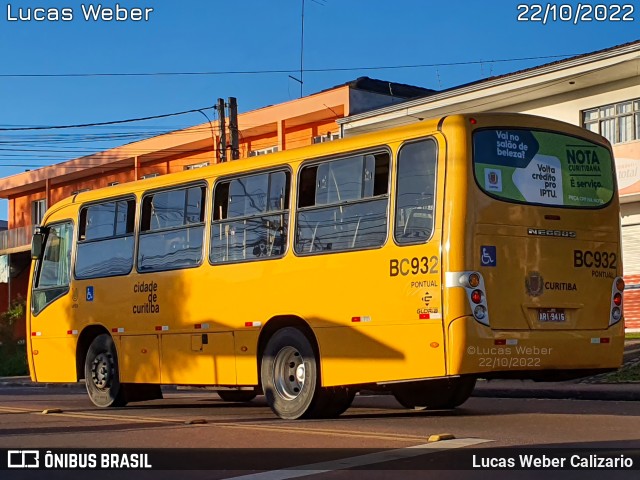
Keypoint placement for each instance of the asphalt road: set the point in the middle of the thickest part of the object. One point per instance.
(198, 420)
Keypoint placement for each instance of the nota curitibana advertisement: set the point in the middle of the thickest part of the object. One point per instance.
(542, 168)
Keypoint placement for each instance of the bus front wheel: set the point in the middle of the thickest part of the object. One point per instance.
(101, 374)
(289, 372)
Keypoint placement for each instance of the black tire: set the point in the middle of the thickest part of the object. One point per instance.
(446, 393)
(409, 398)
(237, 395)
(290, 377)
(462, 391)
(339, 400)
(141, 392)
(101, 374)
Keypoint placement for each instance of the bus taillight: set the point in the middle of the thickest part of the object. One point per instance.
(476, 296)
(616, 301)
(473, 283)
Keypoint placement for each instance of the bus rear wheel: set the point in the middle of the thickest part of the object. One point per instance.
(101, 374)
(435, 394)
(289, 372)
(237, 395)
(337, 401)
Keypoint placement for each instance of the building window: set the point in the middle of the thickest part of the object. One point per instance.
(618, 122)
(38, 208)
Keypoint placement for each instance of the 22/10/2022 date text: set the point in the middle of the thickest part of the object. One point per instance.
(575, 14)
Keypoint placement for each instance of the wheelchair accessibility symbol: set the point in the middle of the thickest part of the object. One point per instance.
(488, 256)
(89, 294)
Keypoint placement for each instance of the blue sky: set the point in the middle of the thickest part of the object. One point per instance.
(249, 35)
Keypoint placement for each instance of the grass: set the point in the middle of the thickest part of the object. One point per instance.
(632, 335)
(627, 374)
(13, 363)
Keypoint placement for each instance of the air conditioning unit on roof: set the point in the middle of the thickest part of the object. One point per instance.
(326, 138)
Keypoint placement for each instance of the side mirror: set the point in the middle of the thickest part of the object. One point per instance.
(37, 243)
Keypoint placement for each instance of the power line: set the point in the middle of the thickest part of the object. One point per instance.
(98, 124)
(274, 71)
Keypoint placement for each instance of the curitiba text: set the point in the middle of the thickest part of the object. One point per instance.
(87, 12)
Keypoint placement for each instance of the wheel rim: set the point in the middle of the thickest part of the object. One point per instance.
(289, 373)
(102, 371)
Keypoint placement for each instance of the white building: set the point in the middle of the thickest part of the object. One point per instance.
(599, 91)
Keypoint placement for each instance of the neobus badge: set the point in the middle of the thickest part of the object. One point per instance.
(551, 233)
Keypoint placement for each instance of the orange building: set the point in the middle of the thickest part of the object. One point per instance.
(287, 125)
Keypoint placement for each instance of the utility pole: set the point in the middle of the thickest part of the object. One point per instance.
(233, 128)
(223, 131)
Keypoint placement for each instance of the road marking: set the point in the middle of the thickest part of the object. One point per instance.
(319, 431)
(362, 460)
(240, 426)
(92, 415)
(18, 410)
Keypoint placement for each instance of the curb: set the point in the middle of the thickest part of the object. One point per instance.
(627, 392)
(25, 382)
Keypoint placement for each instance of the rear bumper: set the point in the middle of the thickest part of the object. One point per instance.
(559, 354)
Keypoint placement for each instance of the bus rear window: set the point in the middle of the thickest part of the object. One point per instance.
(542, 168)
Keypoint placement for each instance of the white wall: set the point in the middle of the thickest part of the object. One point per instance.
(567, 107)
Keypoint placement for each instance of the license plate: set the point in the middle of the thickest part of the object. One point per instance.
(551, 315)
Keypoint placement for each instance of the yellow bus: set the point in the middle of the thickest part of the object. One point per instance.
(414, 260)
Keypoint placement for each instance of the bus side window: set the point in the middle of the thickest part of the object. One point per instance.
(172, 229)
(250, 217)
(343, 204)
(416, 191)
(105, 239)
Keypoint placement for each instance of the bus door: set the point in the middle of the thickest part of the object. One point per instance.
(52, 347)
(416, 269)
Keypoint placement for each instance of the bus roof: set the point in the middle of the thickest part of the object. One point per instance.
(300, 154)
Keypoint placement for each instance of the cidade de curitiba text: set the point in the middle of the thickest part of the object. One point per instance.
(87, 12)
